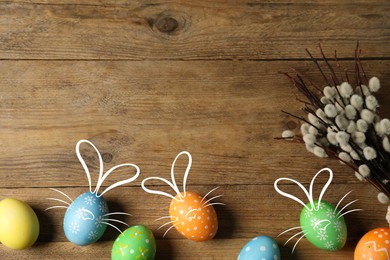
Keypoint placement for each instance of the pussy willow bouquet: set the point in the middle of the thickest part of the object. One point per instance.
(342, 121)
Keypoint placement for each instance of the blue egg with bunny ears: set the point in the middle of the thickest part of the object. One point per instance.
(260, 248)
(88, 216)
(86, 219)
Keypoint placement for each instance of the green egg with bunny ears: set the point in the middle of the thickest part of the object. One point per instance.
(135, 243)
(324, 226)
(320, 222)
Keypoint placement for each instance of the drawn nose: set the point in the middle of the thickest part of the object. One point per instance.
(320, 222)
(88, 215)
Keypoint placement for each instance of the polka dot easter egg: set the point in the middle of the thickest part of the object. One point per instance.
(260, 248)
(321, 223)
(88, 216)
(374, 245)
(190, 214)
(135, 243)
(195, 221)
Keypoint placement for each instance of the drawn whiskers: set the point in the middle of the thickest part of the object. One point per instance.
(297, 234)
(173, 222)
(59, 200)
(207, 203)
(340, 213)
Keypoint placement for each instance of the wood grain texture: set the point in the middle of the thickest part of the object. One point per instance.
(227, 122)
(248, 212)
(139, 30)
(144, 80)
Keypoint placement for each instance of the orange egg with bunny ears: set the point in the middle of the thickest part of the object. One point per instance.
(190, 214)
(195, 218)
(374, 245)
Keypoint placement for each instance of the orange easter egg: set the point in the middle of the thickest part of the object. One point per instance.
(374, 245)
(193, 216)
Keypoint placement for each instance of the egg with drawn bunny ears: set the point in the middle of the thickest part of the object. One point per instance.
(190, 214)
(88, 216)
(321, 223)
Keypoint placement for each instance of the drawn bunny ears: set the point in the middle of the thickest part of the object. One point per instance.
(309, 194)
(172, 184)
(102, 176)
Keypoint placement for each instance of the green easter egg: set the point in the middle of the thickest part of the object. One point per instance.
(323, 226)
(135, 243)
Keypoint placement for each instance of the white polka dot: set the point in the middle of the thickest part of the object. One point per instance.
(195, 228)
(188, 229)
(364, 256)
(147, 241)
(375, 232)
(386, 233)
(248, 248)
(175, 208)
(181, 212)
(370, 258)
(189, 195)
(382, 229)
(275, 257)
(274, 246)
(210, 234)
(255, 238)
(206, 227)
(199, 217)
(262, 248)
(182, 223)
(201, 237)
(131, 251)
(380, 236)
(387, 241)
(263, 258)
(189, 208)
(196, 201)
(192, 236)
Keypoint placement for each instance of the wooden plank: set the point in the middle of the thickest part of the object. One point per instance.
(247, 214)
(225, 113)
(183, 30)
(169, 249)
(248, 210)
(145, 4)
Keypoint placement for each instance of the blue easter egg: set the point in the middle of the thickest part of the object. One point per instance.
(260, 248)
(84, 221)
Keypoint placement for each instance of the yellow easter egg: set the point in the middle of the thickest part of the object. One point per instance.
(19, 226)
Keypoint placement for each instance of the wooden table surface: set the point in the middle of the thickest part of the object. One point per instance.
(144, 80)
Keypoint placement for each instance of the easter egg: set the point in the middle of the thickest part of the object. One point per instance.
(261, 247)
(134, 243)
(374, 245)
(85, 219)
(323, 226)
(192, 217)
(19, 226)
